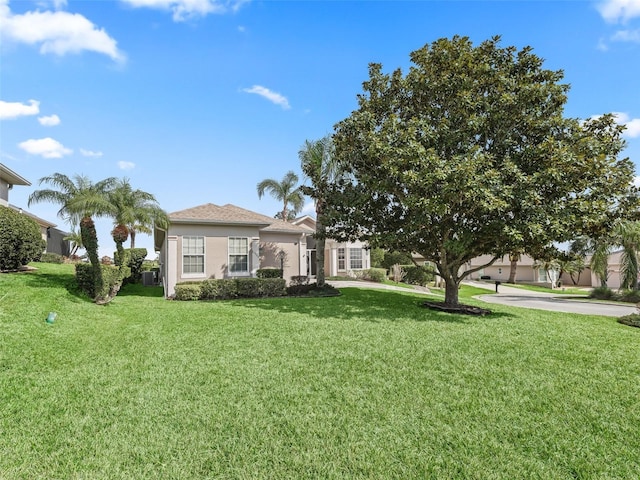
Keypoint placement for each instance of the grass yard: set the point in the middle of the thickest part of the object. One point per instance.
(365, 385)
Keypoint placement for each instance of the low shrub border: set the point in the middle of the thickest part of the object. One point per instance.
(228, 288)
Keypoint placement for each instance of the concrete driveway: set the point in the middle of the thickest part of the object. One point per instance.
(517, 297)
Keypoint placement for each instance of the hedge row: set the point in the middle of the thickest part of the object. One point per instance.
(227, 288)
(269, 273)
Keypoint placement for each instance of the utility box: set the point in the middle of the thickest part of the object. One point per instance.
(148, 279)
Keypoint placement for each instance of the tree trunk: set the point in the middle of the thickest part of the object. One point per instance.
(132, 235)
(451, 291)
(513, 270)
(320, 242)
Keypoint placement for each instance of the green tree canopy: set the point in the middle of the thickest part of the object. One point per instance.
(470, 153)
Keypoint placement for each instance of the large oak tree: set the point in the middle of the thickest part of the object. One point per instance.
(470, 153)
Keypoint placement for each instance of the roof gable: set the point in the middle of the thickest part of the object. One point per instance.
(229, 214)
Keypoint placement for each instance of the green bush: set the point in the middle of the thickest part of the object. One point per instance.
(228, 288)
(312, 290)
(391, 258)
(377, 257)
(375, 275)
(134, 259)
(188, 291)
(629, 296)
(602, 293)
(269, 273)
(51, 258)
(299, 280)
(102, 283)
(417, 275)
(20, 239)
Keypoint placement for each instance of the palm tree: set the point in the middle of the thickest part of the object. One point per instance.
(76, 242)
(133, 211)
(79, 199)
(599, 249)
(321, 168)
(627, 235)
(286, 191)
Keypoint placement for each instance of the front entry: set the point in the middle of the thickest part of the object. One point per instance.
(311, 263)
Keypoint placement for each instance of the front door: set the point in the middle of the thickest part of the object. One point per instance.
(311, 263)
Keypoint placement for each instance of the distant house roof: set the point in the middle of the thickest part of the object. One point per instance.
(40, 221)
(228, 214)
(12, 177)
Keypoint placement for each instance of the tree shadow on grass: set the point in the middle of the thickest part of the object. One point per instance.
(138, 290)
(367, 305)
(38, 279)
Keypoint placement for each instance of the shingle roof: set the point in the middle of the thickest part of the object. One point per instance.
(232, 215)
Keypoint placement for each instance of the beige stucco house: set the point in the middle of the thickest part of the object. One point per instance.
(212, 241)
(340, 258)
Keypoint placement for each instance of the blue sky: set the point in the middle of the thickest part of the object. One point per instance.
(197, 101)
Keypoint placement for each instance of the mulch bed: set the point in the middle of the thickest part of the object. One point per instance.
(462, 309)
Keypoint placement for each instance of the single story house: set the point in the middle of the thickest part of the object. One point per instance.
(212, 241)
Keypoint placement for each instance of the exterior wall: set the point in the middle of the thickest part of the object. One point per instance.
(294, 248)
(4, 192)
(331, 264)
(56, 242)
(216, 249)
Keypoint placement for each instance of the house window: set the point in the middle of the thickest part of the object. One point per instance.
(355, 258)
(193, 255)
(238, 255)
(342, 266)
(542, 275)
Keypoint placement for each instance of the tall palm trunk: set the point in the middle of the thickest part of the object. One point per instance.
(320, 243)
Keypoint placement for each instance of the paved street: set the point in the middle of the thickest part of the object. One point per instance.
(518, 297)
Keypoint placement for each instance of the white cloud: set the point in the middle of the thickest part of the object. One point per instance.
(126, 165)
(636, 181)
(615, 11)
(185, 9)
(50, 121)
(56, 32)
(626, 36)
(309, 209)
(632, 124)
(45, 147)
(11, 110)
(273, 97)
(90, 153)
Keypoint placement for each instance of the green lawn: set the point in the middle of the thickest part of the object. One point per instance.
(365, 385)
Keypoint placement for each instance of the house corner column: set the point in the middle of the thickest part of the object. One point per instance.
(255, 256)
(172, 265)
(302, 255)
(333, 263)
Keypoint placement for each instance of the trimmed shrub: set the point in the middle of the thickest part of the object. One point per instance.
(312, 290)
(20, 239)
(188, 291)
(375, 275)
(51, 258)
(417, 275)
(103, 284)
(228, 288)
(602, 293)
(299, 280)
(269, 273)
(629, 296)
(134, 258)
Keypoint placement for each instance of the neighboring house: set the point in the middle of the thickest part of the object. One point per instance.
(340, 258)
(8, 179)
(54, 237)
(211, 241)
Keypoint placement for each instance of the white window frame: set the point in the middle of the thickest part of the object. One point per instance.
(352, 259)
(342, 259)
(185, 239)
(543, 275)
(240, 273)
